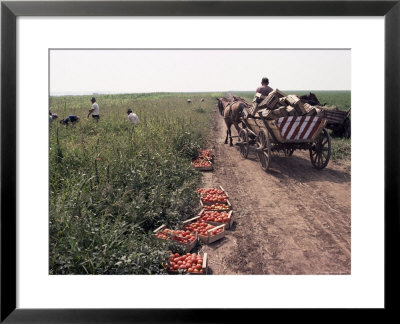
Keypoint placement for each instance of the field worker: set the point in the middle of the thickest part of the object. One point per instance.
(52, 116)
(132, 117)
(264, 89)
(94, 110)
(70, 119)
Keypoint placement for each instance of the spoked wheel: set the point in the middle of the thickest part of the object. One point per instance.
(264, 149)
(320, 151)
(288, 152)
(244, 143)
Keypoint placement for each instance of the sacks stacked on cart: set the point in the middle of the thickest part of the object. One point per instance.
(277, 104)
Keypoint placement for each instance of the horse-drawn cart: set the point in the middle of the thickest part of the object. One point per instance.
(338, 121)
(285, 134)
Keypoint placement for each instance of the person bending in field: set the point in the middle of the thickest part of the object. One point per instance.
(94, 110)
(52, 116)
(264, 89)
(132, 117)
(70, 119)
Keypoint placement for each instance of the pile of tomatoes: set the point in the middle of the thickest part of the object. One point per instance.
(205, 154)
(215, 216)
(201, 228)
(199, 163)
(191, 263)
(211, 198)
(181, 236)
(217, 206)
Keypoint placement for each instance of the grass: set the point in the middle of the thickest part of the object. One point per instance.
(112, 184)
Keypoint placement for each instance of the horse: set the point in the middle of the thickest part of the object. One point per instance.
(221, 105)
(232, 113)
(310, 99)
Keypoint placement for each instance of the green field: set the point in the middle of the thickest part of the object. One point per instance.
(112, 184)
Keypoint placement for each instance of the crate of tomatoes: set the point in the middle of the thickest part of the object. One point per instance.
(202, 164)
(217, 206)
(206, 154)
(217, 217)
(209, 196)
(207, 233)
(190, 263)
(184, 237)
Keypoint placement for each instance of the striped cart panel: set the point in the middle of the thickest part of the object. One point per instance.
(300, 128)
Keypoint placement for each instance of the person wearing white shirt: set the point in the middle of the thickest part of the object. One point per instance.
(132, 117)
(94, 110)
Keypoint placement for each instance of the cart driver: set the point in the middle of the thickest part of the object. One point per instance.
(264, 89)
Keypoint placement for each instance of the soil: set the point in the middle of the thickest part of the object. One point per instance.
(293, 219)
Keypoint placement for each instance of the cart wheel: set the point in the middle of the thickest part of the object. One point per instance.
(264, 149)
(244, 143)
(320, 151)
(288, 151)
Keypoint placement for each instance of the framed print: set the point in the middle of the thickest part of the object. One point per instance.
(188, 41)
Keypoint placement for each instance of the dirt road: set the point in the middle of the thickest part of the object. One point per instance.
(293, 220)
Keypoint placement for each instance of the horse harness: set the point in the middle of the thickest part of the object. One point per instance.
(230, 109)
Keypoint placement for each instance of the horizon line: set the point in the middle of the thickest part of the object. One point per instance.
(82, 93)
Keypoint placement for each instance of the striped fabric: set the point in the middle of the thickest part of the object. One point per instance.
(298, 128)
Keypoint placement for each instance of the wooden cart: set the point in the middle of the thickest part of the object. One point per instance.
(286, 134)
(338, 121)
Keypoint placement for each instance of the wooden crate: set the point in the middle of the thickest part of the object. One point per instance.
(297, 104)
(203, 168)
(272, 100)
(282, 101)
(228, 225)
(210, 202)
(188, 246)
(228, 206)
(253, 109)
(311, 111)
(291, 111)
(274, 114)
(204, 267)
(212, 238)
(207, 239)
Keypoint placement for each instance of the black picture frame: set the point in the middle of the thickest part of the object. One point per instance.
(10, 10)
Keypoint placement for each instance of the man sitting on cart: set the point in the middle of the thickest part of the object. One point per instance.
(264, 89)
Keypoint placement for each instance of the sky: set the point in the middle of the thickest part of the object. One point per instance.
(138, 71)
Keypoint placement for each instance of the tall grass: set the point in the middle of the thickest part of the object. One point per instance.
(112, 184)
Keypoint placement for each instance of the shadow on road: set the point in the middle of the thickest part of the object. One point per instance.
(299, 167)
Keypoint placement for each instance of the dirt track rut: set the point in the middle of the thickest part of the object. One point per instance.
(292, 220)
